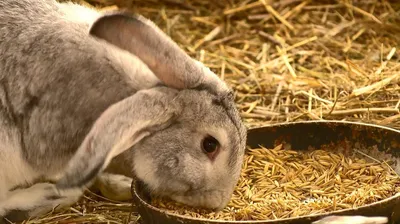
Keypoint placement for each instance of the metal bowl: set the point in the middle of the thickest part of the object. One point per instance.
(301, 135)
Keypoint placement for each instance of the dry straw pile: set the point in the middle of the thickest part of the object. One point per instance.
(279, 183)
(286, 60)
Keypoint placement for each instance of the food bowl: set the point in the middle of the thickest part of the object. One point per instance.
(302, 135)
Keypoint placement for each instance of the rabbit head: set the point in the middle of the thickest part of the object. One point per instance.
(187, 145)
(197, 160)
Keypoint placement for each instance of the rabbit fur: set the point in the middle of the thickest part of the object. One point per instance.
(98, 98)
(81, 90)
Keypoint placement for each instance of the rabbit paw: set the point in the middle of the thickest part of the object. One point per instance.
(114, 186)
(36, 200)
(352, 220)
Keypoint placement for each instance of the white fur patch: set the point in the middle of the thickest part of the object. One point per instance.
(13, 168)
(78, 13)
(144, 169)
(38, 199)
(114, 186)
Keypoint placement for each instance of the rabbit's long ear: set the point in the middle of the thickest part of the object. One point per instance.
(144, 39)
(119, 128)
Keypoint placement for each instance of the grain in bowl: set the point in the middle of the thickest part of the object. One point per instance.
(282, 183)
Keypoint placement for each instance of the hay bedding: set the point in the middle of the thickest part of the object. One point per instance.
(287, 60)
(278, 183)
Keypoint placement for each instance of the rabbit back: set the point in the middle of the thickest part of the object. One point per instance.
(56, 80)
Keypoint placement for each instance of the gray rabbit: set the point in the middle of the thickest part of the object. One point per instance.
(87, 95)
(90, 98)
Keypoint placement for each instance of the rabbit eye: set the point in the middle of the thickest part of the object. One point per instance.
(210, 145)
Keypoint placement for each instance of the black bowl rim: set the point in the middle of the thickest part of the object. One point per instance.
(394, 197)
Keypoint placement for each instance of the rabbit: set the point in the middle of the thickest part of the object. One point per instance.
(89, 97)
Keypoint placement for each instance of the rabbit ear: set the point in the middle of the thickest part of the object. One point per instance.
(118, 129)
(145, 40)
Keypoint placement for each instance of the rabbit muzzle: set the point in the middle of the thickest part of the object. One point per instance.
(209, 199)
